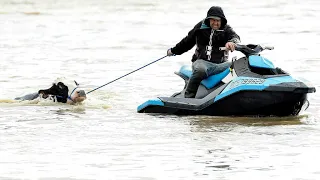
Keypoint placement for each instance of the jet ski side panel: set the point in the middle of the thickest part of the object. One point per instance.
(257, 103)
(257, 84)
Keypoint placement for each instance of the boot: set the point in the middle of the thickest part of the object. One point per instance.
(192, 87)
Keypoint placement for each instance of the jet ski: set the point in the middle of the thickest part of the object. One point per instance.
(251, 86)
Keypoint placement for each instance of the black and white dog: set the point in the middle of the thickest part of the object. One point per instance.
(58, 92)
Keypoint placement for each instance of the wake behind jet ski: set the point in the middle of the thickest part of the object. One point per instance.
(252, 85)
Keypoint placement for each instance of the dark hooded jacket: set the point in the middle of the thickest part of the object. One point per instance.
(200, 35)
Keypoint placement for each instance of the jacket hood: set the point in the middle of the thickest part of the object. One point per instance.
(218, 12)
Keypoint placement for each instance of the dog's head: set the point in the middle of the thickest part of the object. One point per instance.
(59, 90)
(78, 96)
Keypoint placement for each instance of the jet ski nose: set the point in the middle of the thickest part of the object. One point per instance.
(82, 93)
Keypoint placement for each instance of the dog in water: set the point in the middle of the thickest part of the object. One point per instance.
(58, 92)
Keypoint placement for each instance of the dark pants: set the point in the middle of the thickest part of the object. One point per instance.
(202, 69)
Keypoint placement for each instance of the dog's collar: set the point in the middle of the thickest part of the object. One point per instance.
(69, 96)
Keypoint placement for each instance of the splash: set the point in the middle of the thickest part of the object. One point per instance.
(7, 101)
(249, 121)
(91, 103)
(31, 13)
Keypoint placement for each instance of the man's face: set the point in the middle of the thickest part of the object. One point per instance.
(215, 24)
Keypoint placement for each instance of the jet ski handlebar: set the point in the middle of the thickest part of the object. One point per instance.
(249, 49)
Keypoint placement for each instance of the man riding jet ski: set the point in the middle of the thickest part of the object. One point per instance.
(252, 85)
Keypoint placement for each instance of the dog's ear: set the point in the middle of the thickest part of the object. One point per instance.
(61, 86)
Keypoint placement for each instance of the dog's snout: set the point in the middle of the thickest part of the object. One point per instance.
(81, 93)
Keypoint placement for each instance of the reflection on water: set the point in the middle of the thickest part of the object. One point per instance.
(75, 109)
(203, 121)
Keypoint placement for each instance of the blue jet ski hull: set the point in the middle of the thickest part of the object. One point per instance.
(244, 103)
